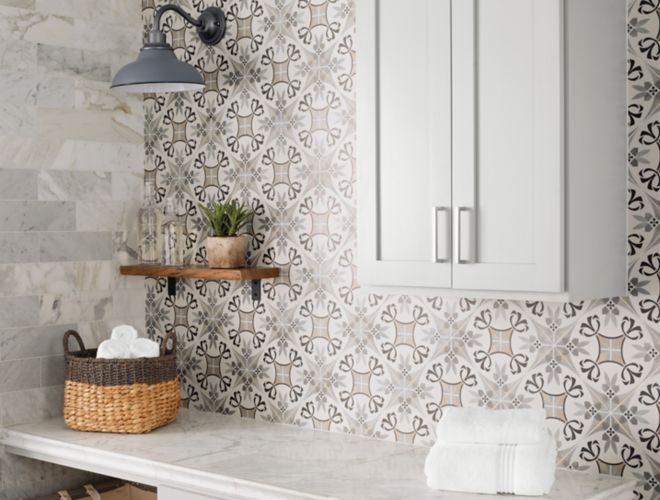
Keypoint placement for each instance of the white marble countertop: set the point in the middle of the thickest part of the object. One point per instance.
(242, 459)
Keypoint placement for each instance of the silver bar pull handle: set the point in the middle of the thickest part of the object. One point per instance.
(441, 235)
(465, 236)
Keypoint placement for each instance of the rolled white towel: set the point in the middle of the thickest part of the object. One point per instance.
(124, 333)
(112, 349)
(144, 348)
(519, 469)
(479, 425)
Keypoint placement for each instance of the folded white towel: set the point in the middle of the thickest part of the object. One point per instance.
(112, 349)
(124, 333)
(479, 425)
(519, 469)
(143, 348)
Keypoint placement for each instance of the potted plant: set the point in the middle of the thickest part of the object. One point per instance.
(226, 249)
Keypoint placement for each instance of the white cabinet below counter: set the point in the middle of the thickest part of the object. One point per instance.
(492, 147)
(206, 456)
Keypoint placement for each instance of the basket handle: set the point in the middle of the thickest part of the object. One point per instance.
(164, 350)
(75, 335)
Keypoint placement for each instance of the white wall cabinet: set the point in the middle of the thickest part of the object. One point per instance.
(492, 146)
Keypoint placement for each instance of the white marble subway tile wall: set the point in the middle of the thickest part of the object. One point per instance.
(71, 160)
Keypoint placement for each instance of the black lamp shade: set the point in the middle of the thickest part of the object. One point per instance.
(157, 70)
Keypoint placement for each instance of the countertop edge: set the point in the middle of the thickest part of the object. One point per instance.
(78, 453)
(141, 470)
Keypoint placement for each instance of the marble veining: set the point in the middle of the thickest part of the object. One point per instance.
(19, 247)
(213, 454)
(70, 182)
(59, 185)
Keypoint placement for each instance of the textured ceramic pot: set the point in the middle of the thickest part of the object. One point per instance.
(226, 252)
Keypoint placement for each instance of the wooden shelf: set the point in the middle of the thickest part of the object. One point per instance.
(201, 272)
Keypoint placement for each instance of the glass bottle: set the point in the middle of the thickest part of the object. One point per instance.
(171, 236)
(148, 227)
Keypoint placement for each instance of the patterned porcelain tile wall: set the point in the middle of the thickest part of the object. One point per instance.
(276, 127)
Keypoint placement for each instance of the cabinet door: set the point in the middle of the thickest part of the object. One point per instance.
(404, 142)
(508, 145)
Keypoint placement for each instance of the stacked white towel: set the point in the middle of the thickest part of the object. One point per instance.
(124, 333)
(112, 349)
(124, 343)
(492, 451)
(143, 348)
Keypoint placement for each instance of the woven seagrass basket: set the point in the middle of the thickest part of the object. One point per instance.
(130, 396)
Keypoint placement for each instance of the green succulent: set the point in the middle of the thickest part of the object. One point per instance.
(226, 218)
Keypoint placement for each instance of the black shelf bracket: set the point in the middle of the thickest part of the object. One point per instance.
(255, 285)
(171, 286)
(255, 288)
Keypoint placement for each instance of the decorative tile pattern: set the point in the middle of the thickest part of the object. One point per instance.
(276, 127)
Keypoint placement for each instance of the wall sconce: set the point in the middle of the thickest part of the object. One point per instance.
(157, 69)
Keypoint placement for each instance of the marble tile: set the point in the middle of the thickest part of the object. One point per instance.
(19, 55)
(52, 371)
(59, 185)
(106, 216)
(20, 374)
(37, 216)
(95, 126)
(17, 104)
(115, 11)
(103, 36)
(32, 405)
(99, 156)
(32, 26)
(18, 184)
(31, 153)
(72, 61)
(59, 118)
(19, 311)
(36, 341)
(19, 247)
(26, 478)
(94, 95)
(94, 276)
(56, 277)
(57, 309)
(127, 186)
(22, 4)
(55, 92)
(129, 125)
(128, 303)
(215, 455)
(75, 246)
